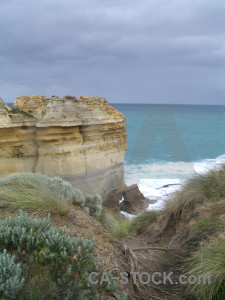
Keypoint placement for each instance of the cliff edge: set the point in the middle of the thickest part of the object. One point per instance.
(82, 140)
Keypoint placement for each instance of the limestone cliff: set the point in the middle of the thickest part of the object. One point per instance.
(83, 140)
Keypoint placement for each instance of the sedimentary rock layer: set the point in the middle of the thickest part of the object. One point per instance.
(83, 140)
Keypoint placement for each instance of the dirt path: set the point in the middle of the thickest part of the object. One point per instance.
(154, 259)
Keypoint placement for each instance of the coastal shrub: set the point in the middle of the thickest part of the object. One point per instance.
(209, 260)
(117, 225)
(66, 191)
(38, 194)
(94, 204)
(54, 265)
(11, 281)
(139, 223)
(198, 189)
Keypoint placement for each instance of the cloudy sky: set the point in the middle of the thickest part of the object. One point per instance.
(128, 51)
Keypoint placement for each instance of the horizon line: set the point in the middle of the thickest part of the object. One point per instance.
(181, 104)
(131, 103)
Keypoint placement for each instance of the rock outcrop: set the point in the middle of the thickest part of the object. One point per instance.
(83, 140)
(134, 201)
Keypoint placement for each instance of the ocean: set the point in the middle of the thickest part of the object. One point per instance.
(169, 143)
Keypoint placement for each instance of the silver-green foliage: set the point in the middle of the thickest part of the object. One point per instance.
(11, 281)
(66, 191)
(38, 193)
(23, 233)
(94, 203)
(67, 261)
(32, 192)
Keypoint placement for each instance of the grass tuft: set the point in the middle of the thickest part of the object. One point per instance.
(141, 222)
(37, 194)
(117, 225)
(209, 260)
(198, 189)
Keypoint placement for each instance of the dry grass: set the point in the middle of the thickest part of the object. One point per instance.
(30, 193)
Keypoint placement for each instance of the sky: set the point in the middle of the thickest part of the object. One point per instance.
(127, 51)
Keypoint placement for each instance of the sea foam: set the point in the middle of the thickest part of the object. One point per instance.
(158, 181)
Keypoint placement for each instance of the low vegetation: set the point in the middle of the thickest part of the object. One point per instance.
(117, 225)
(21, 112)
(39, 194)
(37, 261)
(194, 220)
(199, 208)
(209, 260)
(208, 226)
(94, 205)
(187, 237)
(142, 221)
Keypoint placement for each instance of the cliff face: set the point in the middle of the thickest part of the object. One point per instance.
(83, 140)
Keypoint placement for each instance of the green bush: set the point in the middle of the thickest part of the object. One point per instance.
(66, 191)
(64, 262)
(94, 204)
(209, 260)
(11, 281)
(39, 194)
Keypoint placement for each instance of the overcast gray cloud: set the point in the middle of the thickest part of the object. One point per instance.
(129, 51)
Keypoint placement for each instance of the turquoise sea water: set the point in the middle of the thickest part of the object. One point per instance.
(202, 129)
(167, 144)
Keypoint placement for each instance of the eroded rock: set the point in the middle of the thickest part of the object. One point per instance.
(83, 140)
(134, 201)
